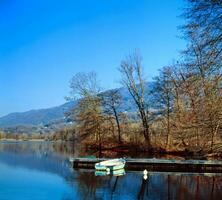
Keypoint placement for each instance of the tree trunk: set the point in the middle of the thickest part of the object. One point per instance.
(118, 126)
(146, 131)
(168, 132)
(212, 137)
(168, 124)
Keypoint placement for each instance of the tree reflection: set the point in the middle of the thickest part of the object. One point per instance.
(144, 188)
(156, 186)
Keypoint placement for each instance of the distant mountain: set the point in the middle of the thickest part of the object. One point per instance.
(36, 117)
(46, 120)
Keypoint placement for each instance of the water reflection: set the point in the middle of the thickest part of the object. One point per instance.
(156, 186)
(120, 172)
(39, 170)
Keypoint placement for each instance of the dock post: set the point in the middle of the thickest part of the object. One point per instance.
(75, 163)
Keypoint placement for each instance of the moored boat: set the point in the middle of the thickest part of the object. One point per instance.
(113, 164)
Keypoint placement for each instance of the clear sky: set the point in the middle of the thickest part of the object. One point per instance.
(44, 42)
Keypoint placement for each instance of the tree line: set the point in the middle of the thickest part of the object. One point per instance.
(181, 109)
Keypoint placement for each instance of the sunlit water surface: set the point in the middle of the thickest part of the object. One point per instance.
(40, 170)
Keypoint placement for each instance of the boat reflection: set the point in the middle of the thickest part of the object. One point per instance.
(120, 172)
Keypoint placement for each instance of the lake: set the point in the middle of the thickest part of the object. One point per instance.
(41, 171)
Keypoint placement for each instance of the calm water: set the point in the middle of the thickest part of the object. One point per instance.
(39, 170)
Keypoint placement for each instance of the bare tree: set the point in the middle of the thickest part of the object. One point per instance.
(133, 80)
(88, 113)
(111, 103)
(84, 85)
(203, 64)
(163, 96)
(204, 22)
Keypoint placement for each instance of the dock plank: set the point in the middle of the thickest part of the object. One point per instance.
(153, 164)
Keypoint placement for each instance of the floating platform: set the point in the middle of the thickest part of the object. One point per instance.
(160, 165)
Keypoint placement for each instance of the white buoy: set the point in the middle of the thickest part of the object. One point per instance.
(145, 177)
(145, 172)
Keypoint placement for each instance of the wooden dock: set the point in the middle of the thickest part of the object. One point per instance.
(161, 165)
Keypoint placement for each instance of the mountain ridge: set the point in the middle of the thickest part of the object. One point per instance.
(54, 117)
(35, 116)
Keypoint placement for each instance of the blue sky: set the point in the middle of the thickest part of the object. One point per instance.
(44, 42)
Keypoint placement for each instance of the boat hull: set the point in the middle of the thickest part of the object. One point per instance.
(104, 168)
(108, 166)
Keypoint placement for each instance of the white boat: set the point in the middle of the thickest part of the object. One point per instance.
(108, 165)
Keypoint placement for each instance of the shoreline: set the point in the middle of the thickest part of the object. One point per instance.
(126, 150)
(21, 140)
